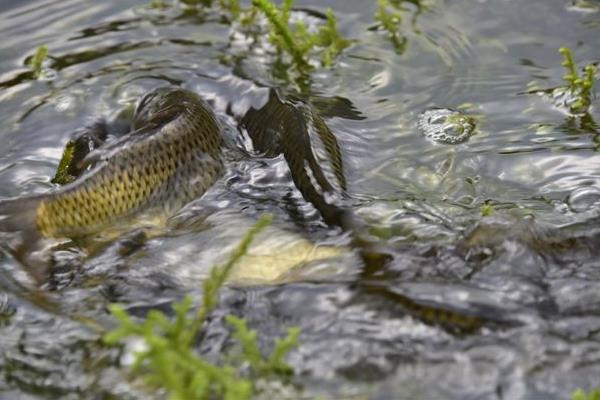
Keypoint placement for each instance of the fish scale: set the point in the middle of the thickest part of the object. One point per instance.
(154, 172)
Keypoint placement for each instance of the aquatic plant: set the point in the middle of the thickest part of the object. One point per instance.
(579, 394)
(390, 19)
(581, 87)
(232, 6)
(169, 360)
(275, 363)
(297, 40)
(37, 60)
(487, 209)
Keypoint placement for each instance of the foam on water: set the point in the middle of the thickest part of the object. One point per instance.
(446, 126)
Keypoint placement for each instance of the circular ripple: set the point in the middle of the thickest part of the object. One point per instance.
(583, 199)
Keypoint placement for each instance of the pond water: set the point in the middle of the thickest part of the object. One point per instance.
(502, 306)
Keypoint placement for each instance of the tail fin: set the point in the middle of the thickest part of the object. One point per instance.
(18, 220)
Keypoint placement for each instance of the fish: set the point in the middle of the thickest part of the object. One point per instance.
(172, 155)
(293, 128)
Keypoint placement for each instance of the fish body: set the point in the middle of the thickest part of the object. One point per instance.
(293, 128)
(172, 155)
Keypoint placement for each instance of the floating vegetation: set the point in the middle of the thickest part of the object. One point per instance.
(169, 360)
(390, 18)
(36, 62)
(585, 5)
(297, 40)
(577, 96)
(487, 209)
(158, 4)
(579, 394)
(447, 126)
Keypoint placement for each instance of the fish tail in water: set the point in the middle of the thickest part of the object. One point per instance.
(19, 215)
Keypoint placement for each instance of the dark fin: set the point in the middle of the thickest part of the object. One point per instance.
(265, 126)
(18, 216)
(341, 107)
(294, 129)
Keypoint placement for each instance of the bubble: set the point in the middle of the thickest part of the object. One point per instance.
(446, 126)
(64, 103)
(47, 74)
(583, 199)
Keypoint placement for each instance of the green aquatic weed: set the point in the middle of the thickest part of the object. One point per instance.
(232, 6)
(297, 40)
(580, 86)
(37, 60)
(169, 360)
(487, 209)
(330, 40)
(159, 4)
(579, 394)
(275, 363)
(390, 19)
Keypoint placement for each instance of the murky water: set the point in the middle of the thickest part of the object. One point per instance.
(505, 306)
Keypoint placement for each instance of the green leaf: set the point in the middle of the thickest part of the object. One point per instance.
(580, 86)
(36, 62)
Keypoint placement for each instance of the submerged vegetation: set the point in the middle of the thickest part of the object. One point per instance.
(581, 395)
(581, 87)
(486, 209)
(36, 62)
(169, 360)
(390, 18)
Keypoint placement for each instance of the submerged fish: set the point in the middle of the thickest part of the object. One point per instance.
(172, 155)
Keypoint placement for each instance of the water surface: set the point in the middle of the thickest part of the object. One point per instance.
(498, 307)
